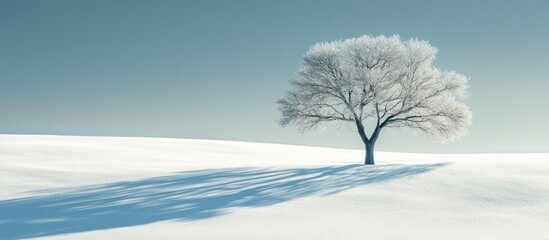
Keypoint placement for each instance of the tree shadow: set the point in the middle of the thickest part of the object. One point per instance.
(184, 196)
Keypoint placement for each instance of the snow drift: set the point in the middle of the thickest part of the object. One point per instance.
(150, 188)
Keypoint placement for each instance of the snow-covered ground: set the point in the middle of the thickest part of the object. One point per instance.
(64, 187)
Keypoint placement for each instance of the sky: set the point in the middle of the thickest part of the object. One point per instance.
(215, 69)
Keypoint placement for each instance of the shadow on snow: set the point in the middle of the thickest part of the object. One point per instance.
(184, 196)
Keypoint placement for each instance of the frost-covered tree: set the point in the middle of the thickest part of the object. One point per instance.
(376, 83)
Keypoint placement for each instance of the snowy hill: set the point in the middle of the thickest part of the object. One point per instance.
(65, 187)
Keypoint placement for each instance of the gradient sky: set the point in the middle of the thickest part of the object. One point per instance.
(214, 69)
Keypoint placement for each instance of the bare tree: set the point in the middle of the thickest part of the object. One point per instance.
(381, 82)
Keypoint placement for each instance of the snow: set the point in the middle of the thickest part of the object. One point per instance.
(72, 187)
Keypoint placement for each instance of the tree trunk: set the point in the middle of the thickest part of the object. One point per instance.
(369, 159)
(368, 143)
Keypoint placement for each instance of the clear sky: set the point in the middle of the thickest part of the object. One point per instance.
(214, 69)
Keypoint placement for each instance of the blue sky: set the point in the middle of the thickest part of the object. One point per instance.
(214, 69)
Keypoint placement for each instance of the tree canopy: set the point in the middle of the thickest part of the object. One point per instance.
(383, 79)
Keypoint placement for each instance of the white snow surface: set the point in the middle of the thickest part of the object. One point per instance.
(72, 187)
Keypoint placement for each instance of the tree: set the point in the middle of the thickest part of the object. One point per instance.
(380, 82)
